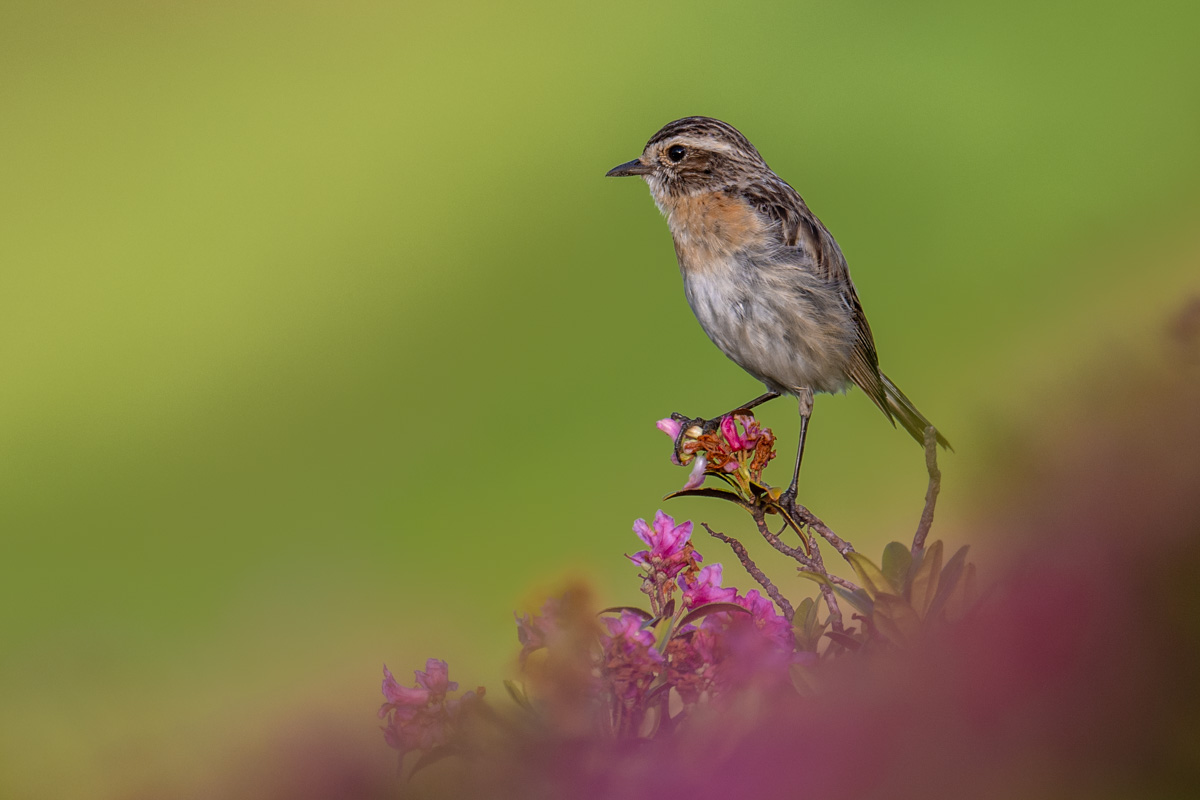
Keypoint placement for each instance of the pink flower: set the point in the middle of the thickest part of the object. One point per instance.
(730, 432)
(421, 717)
(751, 432)
(670, 552)
(693, 656)
(766, 618)
(626, 632)
(535, 632)
(670, 427)
(631, 662)
(696, 476)
(706, 588)
(398, 696)
(436, 677)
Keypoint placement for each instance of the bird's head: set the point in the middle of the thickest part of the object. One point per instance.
(694, 155)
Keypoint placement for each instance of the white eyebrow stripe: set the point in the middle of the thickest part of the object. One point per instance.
(701, 143)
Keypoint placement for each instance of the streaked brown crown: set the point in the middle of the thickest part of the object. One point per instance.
(716, 156)
(701, 128)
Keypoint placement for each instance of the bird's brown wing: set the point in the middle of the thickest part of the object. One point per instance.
(800, 228)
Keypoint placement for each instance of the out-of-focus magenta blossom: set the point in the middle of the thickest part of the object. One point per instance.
(625, 633)
(630, 665)
(706, 588)
(767, 618)
(692, 659)
(670, 551)
(535, 632)
(436, 676)
(421, 717)
(669, 426)
(398, 696)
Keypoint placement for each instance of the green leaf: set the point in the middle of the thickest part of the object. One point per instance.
(872, 578)
(805, 627)
(858, 598)
(800, 620)
(517, 693)
(896, 560)
(710, 608)
(811, 615)
(815, 577)
(669, 611)
(925, 579)
(896, 619)
(665, 630)
(718, 493)
(951, 573)
(641, 612)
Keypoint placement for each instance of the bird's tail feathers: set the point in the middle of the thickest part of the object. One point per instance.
(901, 408)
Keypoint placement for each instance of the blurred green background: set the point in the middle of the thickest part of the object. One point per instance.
(324, 341)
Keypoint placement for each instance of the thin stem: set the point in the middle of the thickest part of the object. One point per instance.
(740, 551)
(813, 563)
(813, 522)
(842, 582)
(773, 540)
(835, 611)
(931, 494)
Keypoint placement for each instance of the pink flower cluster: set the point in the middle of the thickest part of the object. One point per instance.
(700, 640)
(722, 649)
(422, 716)
(742, 454)
(629, 665)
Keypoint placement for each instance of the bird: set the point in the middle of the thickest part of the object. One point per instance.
(764, 277)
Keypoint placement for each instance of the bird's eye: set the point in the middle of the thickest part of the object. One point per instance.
(676, 152)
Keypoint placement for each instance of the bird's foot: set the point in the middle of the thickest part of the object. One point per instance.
(788, 498)
(693, 428)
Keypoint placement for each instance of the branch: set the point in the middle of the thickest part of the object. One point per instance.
(812, 564)
(834, 579)
(756, 573)
(813, 522)
(931, 494)
(835, 611)
(760, 520)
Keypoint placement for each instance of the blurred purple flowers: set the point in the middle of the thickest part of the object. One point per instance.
(637, 672)
(421, 717)
(628, 673)
(915, 688)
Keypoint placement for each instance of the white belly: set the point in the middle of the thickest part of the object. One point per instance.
(777, 322)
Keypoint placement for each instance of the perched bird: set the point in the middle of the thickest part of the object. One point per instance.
(764, 277)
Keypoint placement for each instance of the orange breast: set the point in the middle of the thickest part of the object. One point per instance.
(714, 226)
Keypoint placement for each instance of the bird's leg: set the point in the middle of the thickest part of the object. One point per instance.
(806, 408)
(758, 401)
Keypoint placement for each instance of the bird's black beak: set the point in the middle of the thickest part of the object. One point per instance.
(635, 167)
